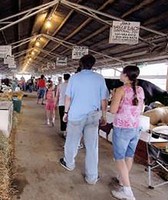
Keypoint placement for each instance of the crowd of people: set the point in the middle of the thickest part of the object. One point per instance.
(16, 84)
(82, 101)
(85, 98)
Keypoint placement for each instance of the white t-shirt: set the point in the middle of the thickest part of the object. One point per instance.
(62, 89)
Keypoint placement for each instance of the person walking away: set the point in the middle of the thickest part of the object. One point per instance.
(50, 105)
(41, 84)
(60, 102)
(86, 94)
(127, 105)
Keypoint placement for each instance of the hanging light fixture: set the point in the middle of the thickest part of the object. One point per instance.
(33, 53)
(37, 43)
(48, 24)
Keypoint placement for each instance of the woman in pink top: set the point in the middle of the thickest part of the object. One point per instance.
(127, 105)
(50, 104)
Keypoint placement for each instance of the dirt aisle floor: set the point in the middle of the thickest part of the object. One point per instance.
(40, 177)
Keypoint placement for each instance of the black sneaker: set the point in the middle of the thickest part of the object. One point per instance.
(63, 164)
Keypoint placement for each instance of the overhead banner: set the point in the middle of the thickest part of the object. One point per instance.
(79, 51)
(12, 66)
(50, 65)
(5, 50)
(9, 60)
(124, 32)
(61, 61)
(14, 70)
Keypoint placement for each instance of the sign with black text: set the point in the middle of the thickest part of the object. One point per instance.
(79, 51)
(9, 60)
(12, 66)
(5, 50)
(50, 65)
(61, 61)
(124, 32)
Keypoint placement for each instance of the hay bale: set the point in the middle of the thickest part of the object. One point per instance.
(5, 167)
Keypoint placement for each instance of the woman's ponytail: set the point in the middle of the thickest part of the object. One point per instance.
(135, 99)
(132, 72)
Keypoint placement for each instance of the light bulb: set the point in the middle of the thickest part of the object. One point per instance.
(37, 44)
(48, 24)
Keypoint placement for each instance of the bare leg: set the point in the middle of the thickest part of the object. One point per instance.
(129, 162)
(126, 191)
(53, 114)
(123, 172)
(48, 116)
(53, 117)
(42, 101)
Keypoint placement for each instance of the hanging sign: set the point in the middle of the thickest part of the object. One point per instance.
(50, 65)
(5, 50)
(12, 66)
(124, 32)
(79, 51)
(9, 60)
(14, 70)
(61, 61)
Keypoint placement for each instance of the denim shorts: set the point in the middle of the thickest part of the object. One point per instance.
(41, 93)
(125, 141)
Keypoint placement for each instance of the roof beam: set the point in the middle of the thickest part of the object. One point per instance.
(142, 4)
(29, 14)
(70, 46)
(82, 25)
(24, 12)
(20, 53)
(92, 13)
(152, 20)
(18, 28)
(3, 34)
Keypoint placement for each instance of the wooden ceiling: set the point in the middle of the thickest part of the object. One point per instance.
(83, 23)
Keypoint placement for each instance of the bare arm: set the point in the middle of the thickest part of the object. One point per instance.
(57, 96)
(67, 106)
(46, 94)
(116, 99)
(104, 106)
(103, 119)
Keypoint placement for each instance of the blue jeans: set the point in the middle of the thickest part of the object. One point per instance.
(41, 93)
(88, 128)
(125, 141)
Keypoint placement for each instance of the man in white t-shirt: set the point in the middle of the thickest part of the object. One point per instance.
(60, 98)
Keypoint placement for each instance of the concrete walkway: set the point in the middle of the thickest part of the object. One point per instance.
(39, 175)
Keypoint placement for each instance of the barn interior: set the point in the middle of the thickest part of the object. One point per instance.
(40, 37)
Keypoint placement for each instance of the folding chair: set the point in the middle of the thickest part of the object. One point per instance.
(157, 155)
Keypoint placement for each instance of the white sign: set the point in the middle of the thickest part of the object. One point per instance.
(61, 61)
(5, 50)
(12, 66)
(79, 51)
(50, 65)
(14, 70)
(124, 32)
(9, 60)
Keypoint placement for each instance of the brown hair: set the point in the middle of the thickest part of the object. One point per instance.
(50, 85)
(87, 62)
(132, 73)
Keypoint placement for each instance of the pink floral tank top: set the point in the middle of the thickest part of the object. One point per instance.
(128, 115)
